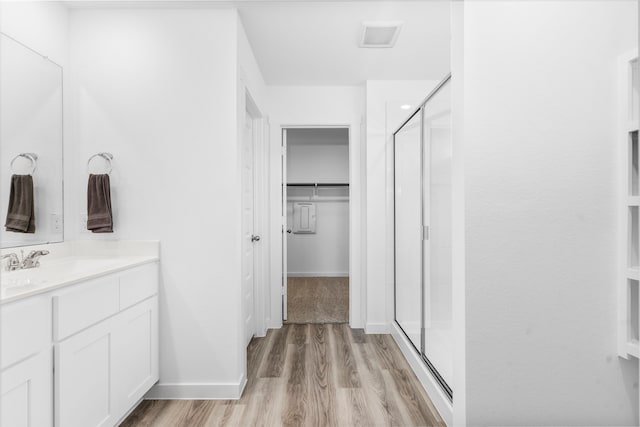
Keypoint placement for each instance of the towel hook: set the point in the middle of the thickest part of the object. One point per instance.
(107, 156)
(32, 157)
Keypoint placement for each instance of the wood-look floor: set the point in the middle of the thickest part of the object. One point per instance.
(310, 375)
(317, 299)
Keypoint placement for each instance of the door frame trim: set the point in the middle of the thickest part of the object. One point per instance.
(355, 289)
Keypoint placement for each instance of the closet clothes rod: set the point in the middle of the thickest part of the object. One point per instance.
(318, 184)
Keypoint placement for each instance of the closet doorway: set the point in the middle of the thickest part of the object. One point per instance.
(315, 206)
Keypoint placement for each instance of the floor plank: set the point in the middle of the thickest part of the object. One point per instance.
(358, 336)
(347, 372)
(320, 381)
(313, 375)
(277, 352)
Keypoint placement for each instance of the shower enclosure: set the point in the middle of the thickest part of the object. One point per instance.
(422, 232)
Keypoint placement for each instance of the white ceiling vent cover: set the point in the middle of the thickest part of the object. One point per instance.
(380, 33)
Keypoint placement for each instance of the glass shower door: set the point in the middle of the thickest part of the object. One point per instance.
(408, 223)
(423, 153)
(437, 256)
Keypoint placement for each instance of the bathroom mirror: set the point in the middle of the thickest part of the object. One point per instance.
(31, 138)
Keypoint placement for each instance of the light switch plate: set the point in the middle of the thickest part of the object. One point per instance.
(56, 222)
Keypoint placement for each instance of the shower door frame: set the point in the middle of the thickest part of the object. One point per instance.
(446, 388)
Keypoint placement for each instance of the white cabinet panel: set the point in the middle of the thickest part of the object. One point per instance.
(135, 353)
(83, 379)
(137, 284)
(26, 393)
(25, 328)
(83, 305)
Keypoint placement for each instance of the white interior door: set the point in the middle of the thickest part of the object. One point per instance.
(249, 239)
(285, 230)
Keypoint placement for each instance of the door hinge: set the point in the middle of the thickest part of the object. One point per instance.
(425, 232)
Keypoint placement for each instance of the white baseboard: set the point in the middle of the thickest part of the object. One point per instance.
(376, 328)
(320, 274)
(429, 383)
(191, 391)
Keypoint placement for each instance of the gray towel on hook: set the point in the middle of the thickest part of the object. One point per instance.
(21, 214)
(99, 215)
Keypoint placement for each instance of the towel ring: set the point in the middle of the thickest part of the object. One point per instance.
(32, 157)
(107, 156)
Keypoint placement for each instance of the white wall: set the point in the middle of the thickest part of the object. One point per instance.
(317, 106)
(158, 88)
(324, 253)
(319, 155)
(540, 206)
(324, 163)
(384, 116)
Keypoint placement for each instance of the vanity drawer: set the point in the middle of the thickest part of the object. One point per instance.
(138, 284)
(84, 305)
(25, 328)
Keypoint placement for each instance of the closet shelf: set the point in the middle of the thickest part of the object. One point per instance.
(633, 126)
(633, 273)
(317, 184)
(317, 199)
(318, 192)
(633, 201)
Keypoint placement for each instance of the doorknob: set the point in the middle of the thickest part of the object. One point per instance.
(289, 230)
(255, 238)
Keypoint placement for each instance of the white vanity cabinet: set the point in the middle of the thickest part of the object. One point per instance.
(26, 375)
(106, 350)
(80, 355)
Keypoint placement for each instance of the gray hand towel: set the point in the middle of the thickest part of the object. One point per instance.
(21, 214)
(99, 215)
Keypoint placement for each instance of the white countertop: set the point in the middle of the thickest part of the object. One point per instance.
(73, 262)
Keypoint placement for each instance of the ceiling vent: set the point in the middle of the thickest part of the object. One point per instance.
(380, 33)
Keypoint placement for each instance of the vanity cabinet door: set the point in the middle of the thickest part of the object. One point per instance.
(135, 353)
(26, 393)
(102, 372)
(25, 329)
(83, 379)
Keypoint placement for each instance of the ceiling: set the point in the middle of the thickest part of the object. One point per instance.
(316, 43)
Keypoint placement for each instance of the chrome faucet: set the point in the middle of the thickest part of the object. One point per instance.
(13, 263)
(29, 261)
(32, 260)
